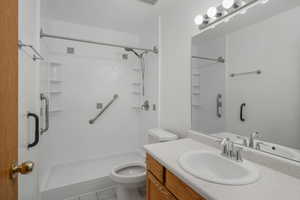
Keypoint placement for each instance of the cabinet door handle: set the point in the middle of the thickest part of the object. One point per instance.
(243, 105)
(36, 132)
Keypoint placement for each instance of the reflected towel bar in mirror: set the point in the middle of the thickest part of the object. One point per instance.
(246, 73)
(219, 59)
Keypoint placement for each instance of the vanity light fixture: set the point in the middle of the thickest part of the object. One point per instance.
(264, 1)
(212, 12)
(224, 12)
(227, 4)
(199, 19)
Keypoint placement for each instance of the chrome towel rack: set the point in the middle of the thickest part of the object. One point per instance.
(246, 73)
(36, 55)
(92, 121)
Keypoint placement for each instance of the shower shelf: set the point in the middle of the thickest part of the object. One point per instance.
(136, 69)
(195, 93)
(55, 92)
(195, 105)
(196, 74)
(55, 81)
(136, 84)
(55, 64)
(195, 86)
(53, 110)
(136, 108)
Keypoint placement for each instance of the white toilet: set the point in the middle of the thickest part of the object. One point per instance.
(131, 177)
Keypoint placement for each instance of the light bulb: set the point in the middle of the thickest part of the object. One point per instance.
(264, 1)
(244, 11)
(199, 19)
(227, 4)
(212, 12)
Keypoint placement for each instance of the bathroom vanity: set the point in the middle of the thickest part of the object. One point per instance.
(164, 185)
(167, 180)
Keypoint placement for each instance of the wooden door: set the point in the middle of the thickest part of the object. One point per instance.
(8, 97)
(156, 191)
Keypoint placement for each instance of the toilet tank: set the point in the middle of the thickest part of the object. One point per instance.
(158, 135)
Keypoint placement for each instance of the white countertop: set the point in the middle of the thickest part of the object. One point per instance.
(272, 185)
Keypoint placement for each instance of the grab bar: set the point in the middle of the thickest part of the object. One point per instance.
(44, 98)
(92, 121)
(245, 73)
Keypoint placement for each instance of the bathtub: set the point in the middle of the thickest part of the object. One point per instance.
(85, 180)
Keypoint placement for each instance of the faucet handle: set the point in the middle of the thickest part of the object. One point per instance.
(245, 140)
(222, 141)
(255, 134)
(225, 145)
(239, 155)
(231, 149)
(258, 145)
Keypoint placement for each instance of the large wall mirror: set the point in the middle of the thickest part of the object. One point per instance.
(246, 79)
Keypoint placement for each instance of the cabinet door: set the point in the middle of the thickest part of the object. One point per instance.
(156, 191)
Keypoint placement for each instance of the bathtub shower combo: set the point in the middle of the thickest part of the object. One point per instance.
(94, 101)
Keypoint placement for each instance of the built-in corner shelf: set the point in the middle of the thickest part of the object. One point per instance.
(55, 92)
(55, 81)
(196, 93)
(54, 110)
(55, 64)
(55, 86)
(137, 88)
(137, 108)
(196, 105)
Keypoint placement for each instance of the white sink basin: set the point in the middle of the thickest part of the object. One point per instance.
(216, 168)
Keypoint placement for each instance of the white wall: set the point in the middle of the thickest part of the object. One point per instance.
(149, 119)
(272, 98)
(208, 80)
(177, 29)
(94, 74)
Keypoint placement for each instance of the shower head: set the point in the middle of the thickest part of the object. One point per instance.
(128, 49)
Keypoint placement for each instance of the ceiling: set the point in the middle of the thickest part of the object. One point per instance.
(123, 15)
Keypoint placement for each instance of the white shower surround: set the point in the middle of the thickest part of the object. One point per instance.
(93, 75)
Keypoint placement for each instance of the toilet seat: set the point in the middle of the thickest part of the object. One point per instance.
(134, 172)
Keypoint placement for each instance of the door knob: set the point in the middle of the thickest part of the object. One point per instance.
(24, 168)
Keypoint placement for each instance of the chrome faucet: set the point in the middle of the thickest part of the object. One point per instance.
(230, 151)
(251, 140)
(225, 146)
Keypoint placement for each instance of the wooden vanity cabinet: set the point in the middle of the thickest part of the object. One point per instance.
(156, 191)
(164, 185)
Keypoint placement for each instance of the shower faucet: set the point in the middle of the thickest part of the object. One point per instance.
(146, 105)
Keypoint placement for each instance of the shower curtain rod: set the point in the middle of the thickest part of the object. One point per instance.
(219, 59)
(45, 35)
